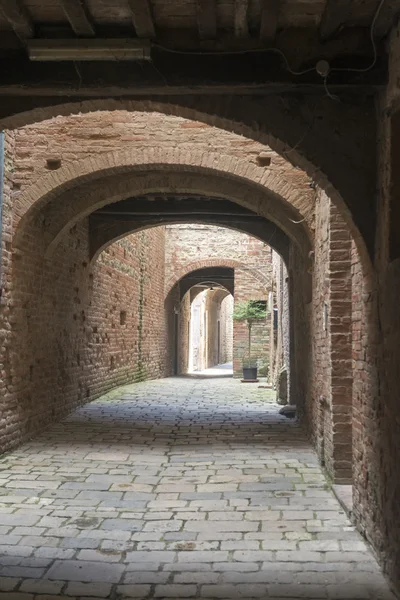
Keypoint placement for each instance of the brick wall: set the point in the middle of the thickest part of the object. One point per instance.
(77, 137)
(189, 247)
(247, 288)
(376, 349)
(71, 331)
(330, 406)
(318, 402)
(280, 335)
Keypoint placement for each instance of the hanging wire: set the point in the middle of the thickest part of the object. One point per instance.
(283, 55)
(297, 222)
(328, 93)
(235, 52)
(371, 66)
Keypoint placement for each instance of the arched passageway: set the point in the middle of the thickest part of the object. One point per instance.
(82, 231)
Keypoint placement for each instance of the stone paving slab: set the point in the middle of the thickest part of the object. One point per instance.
(177, 488)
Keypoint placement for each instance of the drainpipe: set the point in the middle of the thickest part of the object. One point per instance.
(1, 209)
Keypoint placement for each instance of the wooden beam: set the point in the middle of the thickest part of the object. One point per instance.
(18, 18)
(240, 18)
(269, 19)
(142, 18)
(207, 19)
(77, 15)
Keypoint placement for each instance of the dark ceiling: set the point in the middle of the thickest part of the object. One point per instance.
(252, 42)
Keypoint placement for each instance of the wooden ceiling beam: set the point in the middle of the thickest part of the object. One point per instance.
(18, 18)
(77, 15)
(240, 18)
(142, 18)
(269, 20)
(207, 19)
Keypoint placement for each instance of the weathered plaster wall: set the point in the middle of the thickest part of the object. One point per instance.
(226, 347)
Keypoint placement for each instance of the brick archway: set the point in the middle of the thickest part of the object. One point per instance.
(330, 141)
(82, 190)
(80, 172)
(214, 262)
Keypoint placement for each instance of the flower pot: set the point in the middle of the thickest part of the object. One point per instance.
(250, 373)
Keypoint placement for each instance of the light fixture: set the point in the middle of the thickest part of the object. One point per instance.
(323, 68)
(88, 50)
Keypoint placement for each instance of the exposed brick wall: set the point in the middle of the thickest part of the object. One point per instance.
(71, 331)
(376, 348)
(340, 315)
(247, 288)
(34, 391)
(128, 302)
(77, 137)
(330, 407)
(367, 459)
(193, 246)
(280, 337)
(318, 401)
(342, 163)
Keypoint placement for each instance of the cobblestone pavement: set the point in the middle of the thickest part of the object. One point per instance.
(179, 488)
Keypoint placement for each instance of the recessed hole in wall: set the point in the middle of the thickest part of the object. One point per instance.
(53, 163)
(122, 317)
(263, 159)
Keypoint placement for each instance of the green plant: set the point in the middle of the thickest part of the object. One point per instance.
(249, 311)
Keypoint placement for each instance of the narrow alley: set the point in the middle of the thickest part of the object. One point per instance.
(177, 488)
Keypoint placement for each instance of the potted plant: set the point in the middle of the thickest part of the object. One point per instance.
(249, 311)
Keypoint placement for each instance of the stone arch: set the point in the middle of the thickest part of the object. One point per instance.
(214, 262)
(330, 141)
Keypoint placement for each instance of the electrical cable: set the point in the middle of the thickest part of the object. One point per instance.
(283, 55)
(297, 222)
(328, 93)
(233, 53)
(371, 66)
